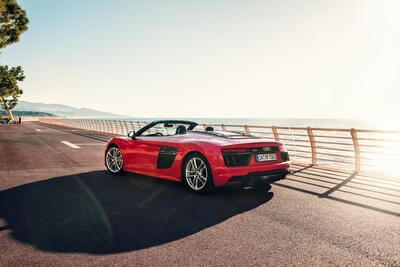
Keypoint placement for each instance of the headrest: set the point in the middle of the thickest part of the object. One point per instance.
(180, 129)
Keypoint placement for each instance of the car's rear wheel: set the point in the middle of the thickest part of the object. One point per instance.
(114, 162)
(197, 174)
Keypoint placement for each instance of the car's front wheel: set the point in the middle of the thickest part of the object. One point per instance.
(114, 162)
(197, 174)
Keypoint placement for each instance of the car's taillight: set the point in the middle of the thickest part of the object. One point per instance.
(285, 156)
(235, 150)
(234, 157)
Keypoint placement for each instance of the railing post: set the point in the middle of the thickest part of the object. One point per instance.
(96, 125)
(105, 130)
(126, 127)
(115, 127)
(276, 134)
(112, 126)
(313, 146)
(118, 124)
(357, 159)
(99, 125)
(246, 129)
(109, 126)
(122, 127)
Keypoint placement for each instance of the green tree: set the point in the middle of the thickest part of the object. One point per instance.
(13, 22)
(9, 90)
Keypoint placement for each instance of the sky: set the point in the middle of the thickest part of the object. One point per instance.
(214, 58)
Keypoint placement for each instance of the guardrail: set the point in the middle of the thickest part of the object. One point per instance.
(354, 149)
(27, 118)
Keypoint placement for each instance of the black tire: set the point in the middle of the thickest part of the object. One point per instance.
(190, 182)
(116, 168)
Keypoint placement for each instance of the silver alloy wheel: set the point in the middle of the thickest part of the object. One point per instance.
(196, 173)
(114, 160)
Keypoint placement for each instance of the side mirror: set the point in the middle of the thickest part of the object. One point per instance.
(132, 134)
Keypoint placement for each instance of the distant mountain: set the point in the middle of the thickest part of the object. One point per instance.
(63, 110)
(27, 114)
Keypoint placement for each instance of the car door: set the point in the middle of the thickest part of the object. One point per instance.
(142, 154)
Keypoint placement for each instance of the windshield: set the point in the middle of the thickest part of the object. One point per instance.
(166, 129)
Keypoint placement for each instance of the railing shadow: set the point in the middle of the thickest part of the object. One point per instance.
(375, 193)
(99, 213)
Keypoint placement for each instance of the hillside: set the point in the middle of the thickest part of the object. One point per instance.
(63, 110)
(27, 114)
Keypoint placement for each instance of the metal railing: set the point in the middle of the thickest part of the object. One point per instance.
(354, 149)
(27, 118)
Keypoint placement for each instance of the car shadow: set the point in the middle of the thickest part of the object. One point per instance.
(99, 213)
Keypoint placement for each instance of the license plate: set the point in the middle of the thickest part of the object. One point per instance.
(265, 157)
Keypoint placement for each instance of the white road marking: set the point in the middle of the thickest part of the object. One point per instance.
(46, 130)
(70, 144)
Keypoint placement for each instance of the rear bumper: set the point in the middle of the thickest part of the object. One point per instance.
(250, 174)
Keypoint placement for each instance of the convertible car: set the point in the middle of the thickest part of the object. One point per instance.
(202, 159)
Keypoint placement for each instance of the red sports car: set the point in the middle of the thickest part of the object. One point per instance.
(203, 160)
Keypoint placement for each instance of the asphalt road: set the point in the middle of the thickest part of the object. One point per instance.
(59, 206)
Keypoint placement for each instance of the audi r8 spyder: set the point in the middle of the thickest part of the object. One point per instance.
(202, 159)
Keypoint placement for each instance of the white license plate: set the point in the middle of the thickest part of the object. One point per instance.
(266, 157)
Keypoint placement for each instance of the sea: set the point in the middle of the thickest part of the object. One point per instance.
(373, 124)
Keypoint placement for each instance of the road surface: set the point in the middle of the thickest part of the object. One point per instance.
(59, 206)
